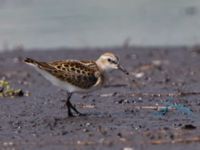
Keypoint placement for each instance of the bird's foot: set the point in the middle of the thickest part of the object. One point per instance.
(70, 114)
(81, 114)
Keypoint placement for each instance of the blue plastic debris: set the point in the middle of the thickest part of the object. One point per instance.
(169, 105)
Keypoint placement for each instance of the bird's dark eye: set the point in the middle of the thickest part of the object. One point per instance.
(109, 60)
(112, 61)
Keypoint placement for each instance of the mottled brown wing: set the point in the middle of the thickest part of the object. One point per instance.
(75, 72)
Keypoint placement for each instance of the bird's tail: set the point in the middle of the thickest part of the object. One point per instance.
(31, 61)
(39, 64)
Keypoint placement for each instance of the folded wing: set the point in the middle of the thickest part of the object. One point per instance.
(74, 72)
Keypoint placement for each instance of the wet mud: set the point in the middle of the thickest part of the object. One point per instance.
(127, 113)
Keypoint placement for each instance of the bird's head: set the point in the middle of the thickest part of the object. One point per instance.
(108, 62)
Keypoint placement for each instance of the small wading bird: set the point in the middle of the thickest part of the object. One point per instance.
(76, 76)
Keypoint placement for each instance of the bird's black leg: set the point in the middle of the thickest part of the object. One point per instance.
(74, 108)
(68, 104)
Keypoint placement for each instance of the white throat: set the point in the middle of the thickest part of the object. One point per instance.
(103, 66)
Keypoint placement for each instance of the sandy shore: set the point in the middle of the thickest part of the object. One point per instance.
(120, 115)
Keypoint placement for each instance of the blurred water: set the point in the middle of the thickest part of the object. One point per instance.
(82, 23)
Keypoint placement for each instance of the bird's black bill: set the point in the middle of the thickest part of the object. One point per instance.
(123, 70)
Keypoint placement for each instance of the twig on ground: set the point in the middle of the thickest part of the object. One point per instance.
(164, 94)
(179, 140)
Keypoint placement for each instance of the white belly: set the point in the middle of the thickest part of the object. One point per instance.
(63, 84)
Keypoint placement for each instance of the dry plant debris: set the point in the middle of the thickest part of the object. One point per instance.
(7, 91)
(179, 140)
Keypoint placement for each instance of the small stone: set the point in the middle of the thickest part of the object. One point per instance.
(101, 140)
(128, 148)
(189, 127)
(140, 98)
(64, 132)
(126, 101)
(108, 94)
(119, 134)
(85, 130)
(27, 94)
(10, 143)
(157, 62)
(5, 143)
(139, 75)
(87, 124)
(120, 101)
